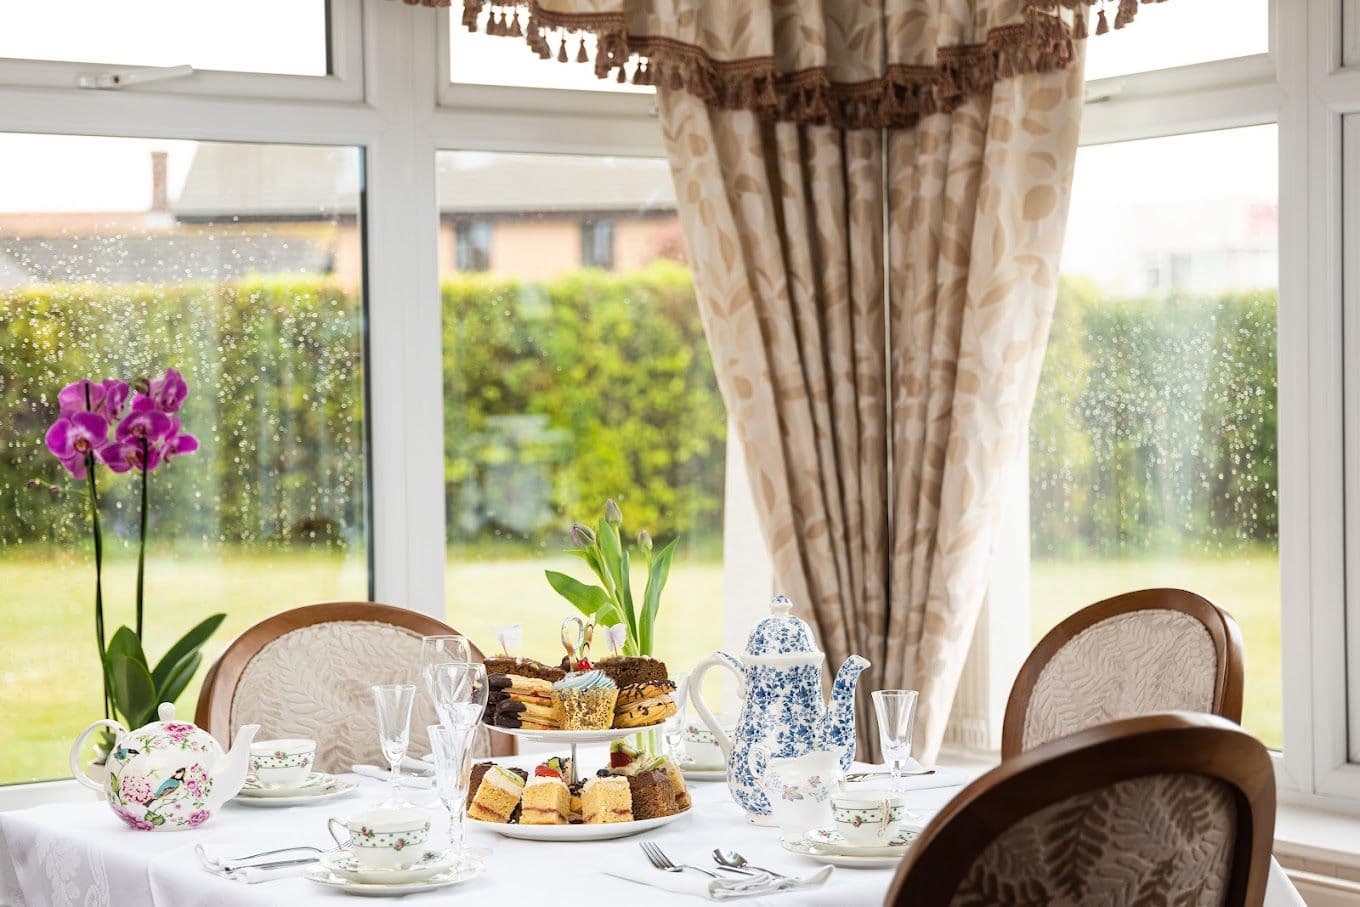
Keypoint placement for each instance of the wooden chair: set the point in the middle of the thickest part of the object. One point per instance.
(306, 673)
(1175, 808)
(1156, 650)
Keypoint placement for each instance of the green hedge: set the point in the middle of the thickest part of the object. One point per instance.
(1154, 427)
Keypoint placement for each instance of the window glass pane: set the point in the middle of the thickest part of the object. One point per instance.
(1178, 34)
(274, 36)
(565, 386)
(1153, 440)
(241, 266)
(482, 59)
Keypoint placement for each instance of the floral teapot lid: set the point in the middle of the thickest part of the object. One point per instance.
(781, 635)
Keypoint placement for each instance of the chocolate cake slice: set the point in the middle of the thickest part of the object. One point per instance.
(653, 794)
(524, 667)
(630, 669)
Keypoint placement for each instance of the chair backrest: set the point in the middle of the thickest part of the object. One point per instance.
(306, 672)
(1155, 650)
(1175, 808)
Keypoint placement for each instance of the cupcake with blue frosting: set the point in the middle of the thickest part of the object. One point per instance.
(586, 701)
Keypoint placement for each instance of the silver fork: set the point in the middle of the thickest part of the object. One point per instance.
(657, 857)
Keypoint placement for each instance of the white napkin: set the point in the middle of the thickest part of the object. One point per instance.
(382, 774)
(216, 857)
(722, 889)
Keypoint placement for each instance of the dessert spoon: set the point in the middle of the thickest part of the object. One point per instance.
(733, 860)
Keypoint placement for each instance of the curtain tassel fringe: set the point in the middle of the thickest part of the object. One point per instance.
(1102, 24)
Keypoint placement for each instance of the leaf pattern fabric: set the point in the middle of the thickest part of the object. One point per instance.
(1157, 840)
(877, 304)
(1133, 664)
(314, 682)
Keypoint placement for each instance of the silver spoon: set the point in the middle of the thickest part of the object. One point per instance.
(733, 860)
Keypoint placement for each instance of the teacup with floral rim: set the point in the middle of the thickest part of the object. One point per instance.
(281, 763)
(867, 819)
(384, 838)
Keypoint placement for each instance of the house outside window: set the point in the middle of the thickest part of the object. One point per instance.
(597, 244)
(474, 246)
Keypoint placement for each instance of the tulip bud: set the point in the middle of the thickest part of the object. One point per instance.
(645, 540)
(581, 536)
(612, 515)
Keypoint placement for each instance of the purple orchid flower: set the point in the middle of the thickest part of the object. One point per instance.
(74, 436)
(165, 393)
(145, 423)
(103, 397)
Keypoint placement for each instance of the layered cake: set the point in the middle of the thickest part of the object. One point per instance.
(682, 800)
(652, 794)
(605, 800)
(575, 806)
(644, 704)
(498, 795)
(546, 801)
(628, 669)
(586, 701)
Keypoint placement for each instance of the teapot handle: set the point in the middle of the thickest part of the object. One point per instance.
(696, 695)
(76, 770)
(758, 755)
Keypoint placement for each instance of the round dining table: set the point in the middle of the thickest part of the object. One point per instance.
(79, 853)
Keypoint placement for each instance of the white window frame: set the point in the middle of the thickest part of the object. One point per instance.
(345, 48)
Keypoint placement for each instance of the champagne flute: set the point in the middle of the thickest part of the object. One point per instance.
(394, 701)
(460, 691)
(437, 650)
(452, 755)
(896, 713)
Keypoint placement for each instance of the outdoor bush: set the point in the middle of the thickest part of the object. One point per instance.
(1155, 422)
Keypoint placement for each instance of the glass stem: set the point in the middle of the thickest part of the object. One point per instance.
(395, 778)
(456, 826)
(899, 768)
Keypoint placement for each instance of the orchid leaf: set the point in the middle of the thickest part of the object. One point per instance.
(179, 676)
(125, 642)
(657, 574)
(587, 599)
(188, 643)
(133, 692)
(592, 559)
(611, 558)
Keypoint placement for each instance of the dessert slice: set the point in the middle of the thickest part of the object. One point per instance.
(536, 706)
(606, 800)
(626, 669)
(497, 795)
(546, 801)
(652, 793)
(523, 667)
(587, 701)
(644, 704)
(475, 780)
(682, 800)
(622, 758)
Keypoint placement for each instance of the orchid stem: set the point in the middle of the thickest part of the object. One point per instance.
(98, 576)
(141, 544)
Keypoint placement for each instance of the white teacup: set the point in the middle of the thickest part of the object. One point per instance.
(384, 838)
(282, 763)
(867, 819)
(702, 747)
(798, 787)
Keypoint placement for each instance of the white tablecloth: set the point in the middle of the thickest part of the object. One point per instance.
(80, 854)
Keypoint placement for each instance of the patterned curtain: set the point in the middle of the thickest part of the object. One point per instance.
(874, 196)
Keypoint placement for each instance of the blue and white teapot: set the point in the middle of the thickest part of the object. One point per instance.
(780, 682)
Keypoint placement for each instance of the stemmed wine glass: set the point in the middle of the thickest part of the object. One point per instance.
(896, 712)
(394, 701)
(452, 754)
(437, 650)
(459, 691)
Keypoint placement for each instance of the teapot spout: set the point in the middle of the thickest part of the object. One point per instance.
(838, 722)
(229, 776)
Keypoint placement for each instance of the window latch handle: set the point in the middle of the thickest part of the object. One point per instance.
(122, 78)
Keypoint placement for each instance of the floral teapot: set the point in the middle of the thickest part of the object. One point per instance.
(780, 682)
(169, 774)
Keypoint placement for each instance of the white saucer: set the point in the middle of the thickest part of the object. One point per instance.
(704, 773)
(343, 863)
(314, 781)
(470, 868)
(307, 793)
(602, 831)
(829, 839)
(803, 847)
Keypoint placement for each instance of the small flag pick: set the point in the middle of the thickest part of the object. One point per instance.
(615, 637)
(509, 636)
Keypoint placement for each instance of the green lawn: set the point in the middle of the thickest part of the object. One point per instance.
(51, 689)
